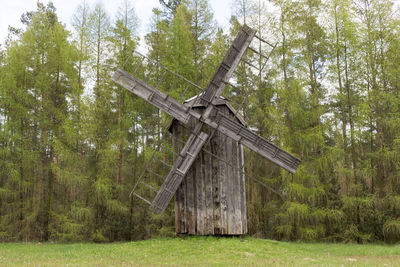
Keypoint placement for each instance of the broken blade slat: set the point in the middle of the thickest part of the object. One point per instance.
(142, 198)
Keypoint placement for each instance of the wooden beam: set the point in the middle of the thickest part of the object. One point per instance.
(227, 68)
(181, 167)
(255, 142)
(151, 95)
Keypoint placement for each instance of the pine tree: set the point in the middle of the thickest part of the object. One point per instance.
(123, 41)
(179, 44)
(100, 123)
(202, 30)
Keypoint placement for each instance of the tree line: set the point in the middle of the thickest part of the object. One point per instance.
(73, 143)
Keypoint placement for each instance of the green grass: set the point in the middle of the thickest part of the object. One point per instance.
(205, 251)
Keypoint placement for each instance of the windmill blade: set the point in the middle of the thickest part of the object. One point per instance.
(179, 170)
(258, 144)
(227, 67)
(152, 95)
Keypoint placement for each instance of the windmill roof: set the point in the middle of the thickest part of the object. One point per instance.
(217, 102)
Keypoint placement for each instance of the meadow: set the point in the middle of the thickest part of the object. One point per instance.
(199, 251)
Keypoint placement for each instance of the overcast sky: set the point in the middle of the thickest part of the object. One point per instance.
(11, 11)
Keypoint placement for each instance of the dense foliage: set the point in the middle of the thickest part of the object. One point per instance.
(73, 143)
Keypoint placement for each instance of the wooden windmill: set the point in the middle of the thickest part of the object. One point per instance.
(207, 175)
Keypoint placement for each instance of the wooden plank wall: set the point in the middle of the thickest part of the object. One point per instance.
(211, 199)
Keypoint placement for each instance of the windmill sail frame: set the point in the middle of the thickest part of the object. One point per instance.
(185, 113)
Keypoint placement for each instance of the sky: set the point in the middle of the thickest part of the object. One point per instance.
(11, 11)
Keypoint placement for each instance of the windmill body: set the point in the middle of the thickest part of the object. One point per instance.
(211, 199)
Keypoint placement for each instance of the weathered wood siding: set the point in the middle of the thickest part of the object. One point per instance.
(211, 198)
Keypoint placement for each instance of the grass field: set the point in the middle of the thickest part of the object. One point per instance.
(204, 251)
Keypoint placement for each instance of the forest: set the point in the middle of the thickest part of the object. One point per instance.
(73, 143)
